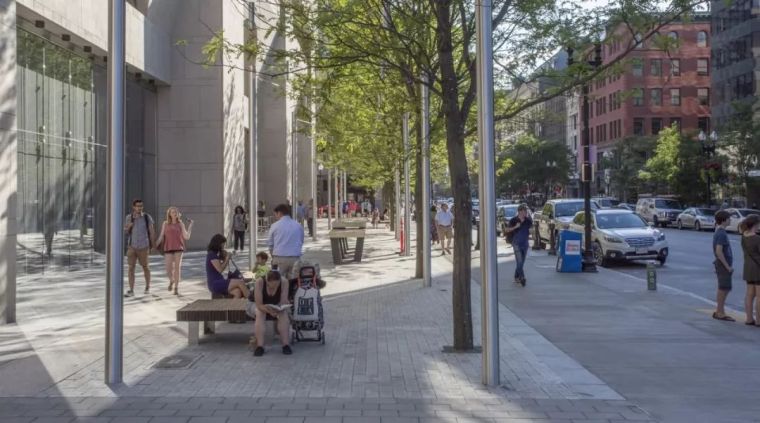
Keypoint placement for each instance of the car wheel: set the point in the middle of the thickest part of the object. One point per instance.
(697, 226)
(680, 224)
(599, 255)
(662, 260)
(664, 224)
(655, 221)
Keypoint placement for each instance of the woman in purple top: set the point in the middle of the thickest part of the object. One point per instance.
(217, 261)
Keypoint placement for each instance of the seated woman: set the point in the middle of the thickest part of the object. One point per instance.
(272, 292)
(217, 261)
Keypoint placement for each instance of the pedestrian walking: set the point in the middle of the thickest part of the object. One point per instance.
(310, 217)
(724, 261)
(751, 248)
(140, 232)
(517, 232)
(285, 241)
(171, 241)
(433, 226)
(375, 217)
(300, 213)
(444, 221)
(239, 226)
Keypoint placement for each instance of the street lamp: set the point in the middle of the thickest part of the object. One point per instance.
(708, 149)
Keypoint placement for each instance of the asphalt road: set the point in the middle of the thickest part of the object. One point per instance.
(690, 266)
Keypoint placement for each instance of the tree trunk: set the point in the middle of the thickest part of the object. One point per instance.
(460, 182)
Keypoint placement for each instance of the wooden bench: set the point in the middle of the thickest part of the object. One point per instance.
(340, 248)
(209, 312)
(359, 223)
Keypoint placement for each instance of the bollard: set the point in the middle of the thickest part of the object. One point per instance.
(651, 276)
(536, 237)
(401, 238)
(552, 240)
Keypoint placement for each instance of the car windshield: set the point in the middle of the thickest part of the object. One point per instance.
(667, 204)
(706, 212)
(509, 211)
(619, 221)
(569, 209)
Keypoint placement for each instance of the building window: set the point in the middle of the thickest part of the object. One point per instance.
(638, 97)
(675, 67)
(675, 96)
(638, 40)
(638, 126)
(637, 67)
(655, 67)
(575, 142)
(702, 39)
(656, 126)
(703, 95)
(703, 66)
(703, 123)
(655, 96)
(676, 122)
(673, 35)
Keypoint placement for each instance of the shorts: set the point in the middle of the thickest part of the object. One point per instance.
(445, 232)
(134, 255)
(724, 277)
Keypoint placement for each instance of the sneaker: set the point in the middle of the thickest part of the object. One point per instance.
(258, 352)
(129, 293)
(523, 281)
(286, 350)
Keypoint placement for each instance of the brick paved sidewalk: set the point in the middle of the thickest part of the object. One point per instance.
(383, 361)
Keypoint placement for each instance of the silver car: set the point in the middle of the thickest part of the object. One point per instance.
(737, 216)
(697, 218)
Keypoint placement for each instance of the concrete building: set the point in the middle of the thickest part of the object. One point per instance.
(186, 126)
(572, 141)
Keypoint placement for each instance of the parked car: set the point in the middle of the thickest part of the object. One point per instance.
(697, 218)
(626, 206)
(622, 235)
(606, 202)
(661, 211)
(561, 213)
(503, 215)
(737, 216)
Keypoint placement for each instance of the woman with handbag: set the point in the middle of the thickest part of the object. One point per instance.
(751, 249)
(171, 243)
(217, 261)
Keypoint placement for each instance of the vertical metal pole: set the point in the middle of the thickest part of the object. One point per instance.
(397, 193)
(488, 266)
(407, 194)
(345, 186)
(425, 179)
(293, 152)
(314, 202)
(253, 129)
(114, 356)
(338, 208)
(329, 199)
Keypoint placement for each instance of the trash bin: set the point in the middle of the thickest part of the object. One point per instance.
(569, 258)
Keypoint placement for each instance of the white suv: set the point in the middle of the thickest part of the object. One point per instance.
(660, 211)
(622, 235)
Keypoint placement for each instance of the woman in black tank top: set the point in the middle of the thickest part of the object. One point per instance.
(273, 291)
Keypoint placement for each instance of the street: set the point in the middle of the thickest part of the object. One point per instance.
(690, 266)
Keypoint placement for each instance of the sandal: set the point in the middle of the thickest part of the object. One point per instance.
(170, 286)
(725, 317)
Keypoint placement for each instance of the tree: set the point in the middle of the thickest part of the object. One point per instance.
(740, 138)
(532, 165)
(628, 158)
(434, 39)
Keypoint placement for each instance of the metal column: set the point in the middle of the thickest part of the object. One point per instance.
(314, 202)
(253, 184)
(329, 199)
(407, 194)
(338, 208)
(425, 182)
(345, 186)
(488, 264)
(293, 165)
(114, 356)
(397, 194)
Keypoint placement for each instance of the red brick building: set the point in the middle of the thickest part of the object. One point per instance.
(658, 88)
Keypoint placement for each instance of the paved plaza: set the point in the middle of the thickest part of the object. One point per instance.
(383, 359)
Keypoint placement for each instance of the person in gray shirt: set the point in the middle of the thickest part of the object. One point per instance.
(140, 236)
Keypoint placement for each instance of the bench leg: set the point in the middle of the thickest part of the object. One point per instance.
(336, 251)
(192, 333)
(209, 328)
(359, 250)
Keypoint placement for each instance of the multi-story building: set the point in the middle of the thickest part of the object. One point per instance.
(186, 126)
(735, 57)
(551, 123)
(572, 140)
(658, 88)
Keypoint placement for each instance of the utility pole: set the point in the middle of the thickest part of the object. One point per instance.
(425, 182)
(407, 193)
(253, 186)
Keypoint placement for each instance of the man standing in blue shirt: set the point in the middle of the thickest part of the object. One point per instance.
(518, 230)
(285, 240)
(724, 260)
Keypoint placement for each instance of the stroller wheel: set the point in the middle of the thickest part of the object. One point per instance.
(322, 337)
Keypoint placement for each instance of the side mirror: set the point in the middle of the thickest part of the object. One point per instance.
(651, 206)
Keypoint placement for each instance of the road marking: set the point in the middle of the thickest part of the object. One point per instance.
(681, 292)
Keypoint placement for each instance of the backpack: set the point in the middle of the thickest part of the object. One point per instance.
(307, 301)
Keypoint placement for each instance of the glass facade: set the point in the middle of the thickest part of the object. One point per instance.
(62, 152)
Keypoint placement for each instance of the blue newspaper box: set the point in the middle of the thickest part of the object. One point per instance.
(569, 258)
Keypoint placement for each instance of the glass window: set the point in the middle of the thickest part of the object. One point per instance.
(656, 126)
(675, 67)
(703, 95)
(702, 39)
(667, 204)
(655, 67)
(655, 96)
(619, 221)
(638, 40)
(673, 35)
(638, 96)
(703, 67)
(637, 67)
(675, 96)
(638, 126)
(703, 123)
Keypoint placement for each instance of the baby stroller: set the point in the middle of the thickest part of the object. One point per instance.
(307, 307)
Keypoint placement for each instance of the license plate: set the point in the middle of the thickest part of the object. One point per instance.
(642, 251)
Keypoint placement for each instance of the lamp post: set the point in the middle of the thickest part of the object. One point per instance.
(708, 149)
(589, 264)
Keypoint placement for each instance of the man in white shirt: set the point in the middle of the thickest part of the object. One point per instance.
(444, 222)
(285, 241)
